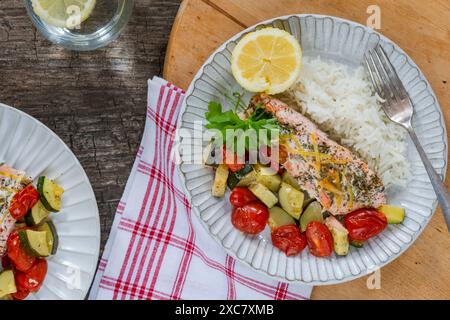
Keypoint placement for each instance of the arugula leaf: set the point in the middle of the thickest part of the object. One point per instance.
(224, 121)
(217, 118)
(213, 109)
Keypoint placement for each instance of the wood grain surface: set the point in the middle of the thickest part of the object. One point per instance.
(95, 101)
(420, 27)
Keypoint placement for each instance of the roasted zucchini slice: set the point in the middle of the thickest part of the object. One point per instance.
(52, 235)
(278, 217)
(291, 200)
(313, 212)
(248, 179)
(36, 215)
(220, 181)
(35, 242)
(268, 177)
(263, 194)
(7, 284)
(235, 177)
(340, 236)
(394, 214)
(290, 180)
(50, 194)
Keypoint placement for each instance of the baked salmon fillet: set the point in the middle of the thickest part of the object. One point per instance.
(327, 171)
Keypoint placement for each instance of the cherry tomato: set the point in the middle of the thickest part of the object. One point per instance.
(241, 196)
(363, 224)
(33, 278)
(21, 260)
(21, 293)
(6, 262)
(320, 240)
(23, 201)
(251, 218)
(231, 160)
(289, 239)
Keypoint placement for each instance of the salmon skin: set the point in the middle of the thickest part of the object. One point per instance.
(327, 171)
(11, 182)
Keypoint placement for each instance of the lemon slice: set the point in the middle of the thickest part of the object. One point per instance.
(268, 60)
(63, 13)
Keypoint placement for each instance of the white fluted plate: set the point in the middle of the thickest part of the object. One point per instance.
(29, 145)
(345, 42)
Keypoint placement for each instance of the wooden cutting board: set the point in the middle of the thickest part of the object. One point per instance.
(420, 27)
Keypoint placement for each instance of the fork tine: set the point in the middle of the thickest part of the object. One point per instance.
(375, 81)
(385, 75)
(388, 72)
(393, 76)
(388, 96)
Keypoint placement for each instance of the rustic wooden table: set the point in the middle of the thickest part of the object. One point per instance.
(420, 27)
(95, 101)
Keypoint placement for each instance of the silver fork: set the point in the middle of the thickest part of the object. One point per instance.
(398, 107)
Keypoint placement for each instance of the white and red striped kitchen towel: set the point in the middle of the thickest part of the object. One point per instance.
(157, 249)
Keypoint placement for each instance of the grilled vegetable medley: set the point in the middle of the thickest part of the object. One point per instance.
(27, 234)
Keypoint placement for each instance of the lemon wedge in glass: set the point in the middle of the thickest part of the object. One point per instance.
(267, 60)
(63, 13)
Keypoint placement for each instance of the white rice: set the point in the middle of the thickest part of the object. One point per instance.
(342, 103)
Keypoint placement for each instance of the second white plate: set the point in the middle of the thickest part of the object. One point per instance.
(29, 145)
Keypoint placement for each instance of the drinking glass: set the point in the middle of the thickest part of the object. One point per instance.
(104, 24)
